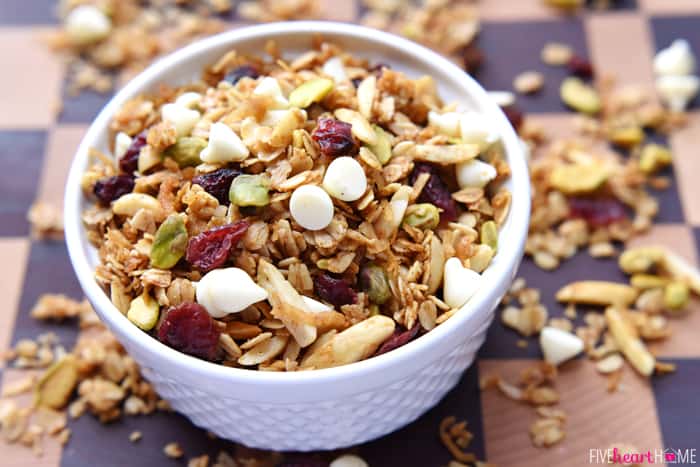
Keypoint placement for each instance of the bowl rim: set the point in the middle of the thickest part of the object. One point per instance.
(501, 273)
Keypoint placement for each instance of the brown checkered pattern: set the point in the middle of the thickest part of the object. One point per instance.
(37, 143)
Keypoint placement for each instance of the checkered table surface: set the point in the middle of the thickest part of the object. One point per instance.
(36, 148)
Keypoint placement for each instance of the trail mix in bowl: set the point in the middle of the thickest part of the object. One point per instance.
(295, 215)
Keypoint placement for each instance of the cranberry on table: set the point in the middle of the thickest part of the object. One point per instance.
(333, 290)
(130, 160)
(399, 338)
(209, 250)
(189, 329)
(243, 71)
(335, 138)
(108, 189)
(435, 191)
(515, 116)
(581, 67)
(597, 212)
(472, 58)
(217, 183)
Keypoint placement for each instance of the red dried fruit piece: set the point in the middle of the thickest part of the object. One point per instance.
(335, 137)
(209, 250)
(217, 183)
(110, 188)
(189, 329)
(399, 338)
(473, 58)
(597, 212)
(514, 116)
(335, 291)
(240, 72)
(129, 162)
(581, 67)
(435, 191)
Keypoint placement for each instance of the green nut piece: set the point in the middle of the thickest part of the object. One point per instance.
(382, 148)
(250, 190)
(186, 151)
(170, 243)
(579, 96)
(676, 295)
(374, 282)
(489, 234)
(653, 158)
(144, 312)
(647, 281)
(422, 216)
(310, 92)
(640, 259)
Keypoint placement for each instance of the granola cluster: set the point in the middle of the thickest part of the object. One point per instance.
(302, 214)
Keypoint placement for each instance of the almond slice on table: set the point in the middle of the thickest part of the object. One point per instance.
(627, 339)
(597, 293)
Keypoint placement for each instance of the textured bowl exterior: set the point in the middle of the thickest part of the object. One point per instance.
(330, 408)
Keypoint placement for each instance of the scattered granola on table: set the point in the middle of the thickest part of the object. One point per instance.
(345, 201)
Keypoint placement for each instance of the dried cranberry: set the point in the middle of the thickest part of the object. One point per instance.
(514, 116)
(399, 338)
(130, 160)
(473, 58)
(110, 188)
(333, 290)
(334, 137)
(189, 329)
(217, 183)
(581, 67)
(597, 212)
(243, 71)
(210, 249)
(435, 191)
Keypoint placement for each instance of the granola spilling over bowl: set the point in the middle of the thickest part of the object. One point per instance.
(290, 215)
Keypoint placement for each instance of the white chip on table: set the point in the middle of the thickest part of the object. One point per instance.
(182, 118)
(558, 345)
(87, 24)
(678, 91)
(224, 146)
(502, 98)
(675, 60)
(345, 179)
(228, 290)
(311, 207)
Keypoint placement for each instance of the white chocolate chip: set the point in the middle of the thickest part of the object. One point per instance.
(335, 69)
(502, 98)
(459, 283)
(558, 345)
(474, 173)
(675, 60)
(270, 87)
(224, 146)
(345, 179)
(314, 306)
(677, 91)
(121, 144)
(349, 460)
(87, 24)
(182, 118)
(447, 123)
(476, 129)
(229, 290)
(189, 99)
(311, 207)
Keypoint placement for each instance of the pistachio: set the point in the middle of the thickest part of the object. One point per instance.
(143, 312)
(647, 281)
(422, 216)
(653, 158)
(489, 234)
(627, 339)
(186, 151)
(57, 384)
(382, 148)
(577, 179)
(640, 259)
(310, 92)
(597, 293)
(676, 295)
(580, 96)
(250, 190)
(169, 243)
(627, 136)
(374, 282)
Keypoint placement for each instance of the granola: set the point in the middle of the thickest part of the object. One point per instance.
(339, 197)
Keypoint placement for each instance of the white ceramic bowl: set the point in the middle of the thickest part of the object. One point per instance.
(330, 408)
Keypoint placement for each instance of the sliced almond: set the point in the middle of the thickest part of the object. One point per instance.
(597, 293)
(447, 154)
(264, 351)
(361, 127)
(610, 364)
(626, 337)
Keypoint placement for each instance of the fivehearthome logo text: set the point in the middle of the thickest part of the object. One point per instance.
(667, 456)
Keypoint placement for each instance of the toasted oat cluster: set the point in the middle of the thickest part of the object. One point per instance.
(285, 215)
